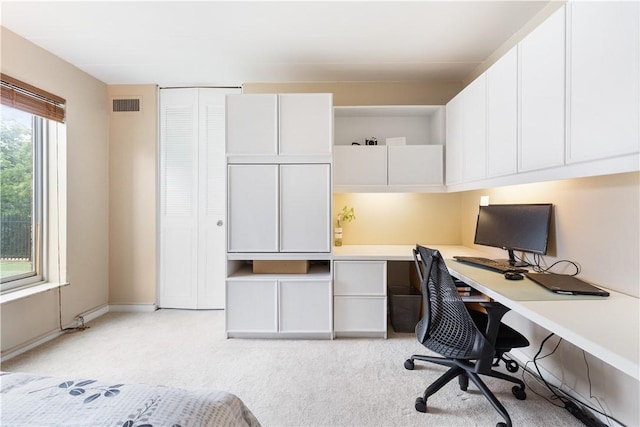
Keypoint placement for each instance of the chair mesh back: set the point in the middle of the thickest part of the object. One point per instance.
(447, 327)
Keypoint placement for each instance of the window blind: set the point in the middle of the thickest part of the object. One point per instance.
(25, 97)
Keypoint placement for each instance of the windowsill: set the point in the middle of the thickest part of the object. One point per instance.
(16, 294)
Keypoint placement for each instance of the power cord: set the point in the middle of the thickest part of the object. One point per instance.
(570, 403)
(537, 267)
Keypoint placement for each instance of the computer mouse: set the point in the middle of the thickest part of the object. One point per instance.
(513, 275)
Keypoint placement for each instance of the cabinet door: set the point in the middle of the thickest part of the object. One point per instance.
(474, 131)
(542, 95)
(454, 145)
(360, 278)
(305, 209)
(360, 314)
(178, 198)
(252, 124)
(415, 164)
(604, 79)
(306, 124)
(360, 165)
(305, 306)
(253, 208)
(502, 115)
(252, 306)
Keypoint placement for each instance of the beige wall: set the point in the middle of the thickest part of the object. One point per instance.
(132, 198)
(87, 177)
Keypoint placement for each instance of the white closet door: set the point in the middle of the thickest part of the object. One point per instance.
(178, 198)
(305, 214)
(213, 209)
(253, 208)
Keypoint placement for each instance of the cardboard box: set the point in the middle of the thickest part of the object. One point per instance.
(281, 266)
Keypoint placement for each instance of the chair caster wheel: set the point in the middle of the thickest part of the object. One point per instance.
(519, 392)
(501, 425)
(512, 366)
(421, 405)
(408, 364)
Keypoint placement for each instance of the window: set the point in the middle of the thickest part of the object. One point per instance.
(26, 117)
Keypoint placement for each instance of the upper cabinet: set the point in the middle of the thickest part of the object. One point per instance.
(563, 103)
(542, 95)
(279, 128)
(603, 58)
(408, 155)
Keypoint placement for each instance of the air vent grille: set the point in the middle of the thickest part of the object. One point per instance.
(123, 105)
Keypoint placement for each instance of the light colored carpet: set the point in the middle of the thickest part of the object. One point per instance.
(344, 382)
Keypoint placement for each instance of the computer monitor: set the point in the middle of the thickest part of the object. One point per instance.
(521, 227)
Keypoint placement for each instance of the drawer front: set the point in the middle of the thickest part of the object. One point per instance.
(360, 278)
(360, 314)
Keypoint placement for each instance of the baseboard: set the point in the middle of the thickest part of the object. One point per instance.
(133, 308)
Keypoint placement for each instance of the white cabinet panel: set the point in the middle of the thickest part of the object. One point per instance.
(455, 143)
(305, 306)
(604, 79)
(502, 115)
(360, 165)
(474, 133)
(252, 306)
(360, 314)
(305, 216)
(252, 124)
(306, 123)
(253, 208)
(360, 278)
(542, 95)
(415, 164)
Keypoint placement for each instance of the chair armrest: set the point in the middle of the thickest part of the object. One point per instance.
(495, 313)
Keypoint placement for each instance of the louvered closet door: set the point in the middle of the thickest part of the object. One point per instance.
(178, 198)
(212, 209)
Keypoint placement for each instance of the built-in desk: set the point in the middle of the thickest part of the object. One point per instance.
(606, 327)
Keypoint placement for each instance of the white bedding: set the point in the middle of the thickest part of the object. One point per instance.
(32, 400)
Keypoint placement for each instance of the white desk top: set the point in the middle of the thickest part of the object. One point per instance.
(608, 328)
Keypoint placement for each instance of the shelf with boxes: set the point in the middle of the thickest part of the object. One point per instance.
(389, 148)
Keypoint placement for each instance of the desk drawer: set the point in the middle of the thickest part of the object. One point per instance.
(360, 314)
(360, 278)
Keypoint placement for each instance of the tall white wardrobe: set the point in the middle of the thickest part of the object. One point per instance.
(192, 202)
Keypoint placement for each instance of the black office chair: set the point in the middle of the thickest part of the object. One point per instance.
(471, 343)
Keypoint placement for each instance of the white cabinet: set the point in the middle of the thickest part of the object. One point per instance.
(474, 133)
(455, 141)
(272, 306)
(502, 115)
(415, 165)
(360, 302)
(279, 208)
(541, 58)
(192, 208)
(603, 59)
(277, 127)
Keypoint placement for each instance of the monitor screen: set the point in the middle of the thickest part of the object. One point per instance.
(523, 227)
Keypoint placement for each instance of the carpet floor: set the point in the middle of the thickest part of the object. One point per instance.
(341, 382)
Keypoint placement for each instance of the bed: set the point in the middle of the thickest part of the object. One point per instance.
(33, 400)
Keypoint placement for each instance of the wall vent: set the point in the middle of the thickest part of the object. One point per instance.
(125, 105)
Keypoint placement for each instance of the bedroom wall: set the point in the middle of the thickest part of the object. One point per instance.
(32, 318)
(132, 199)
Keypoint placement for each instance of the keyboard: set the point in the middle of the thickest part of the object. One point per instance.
(491, 264)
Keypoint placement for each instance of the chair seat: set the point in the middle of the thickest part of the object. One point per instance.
(508, 337)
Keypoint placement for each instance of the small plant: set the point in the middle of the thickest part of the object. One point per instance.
(346, 215)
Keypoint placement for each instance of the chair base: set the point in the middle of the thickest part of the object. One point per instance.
(464, 371)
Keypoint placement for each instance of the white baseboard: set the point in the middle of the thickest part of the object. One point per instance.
(133, 308)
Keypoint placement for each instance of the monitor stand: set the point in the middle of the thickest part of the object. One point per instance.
(514, 262)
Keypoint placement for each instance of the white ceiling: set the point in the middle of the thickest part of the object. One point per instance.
(217, 43)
